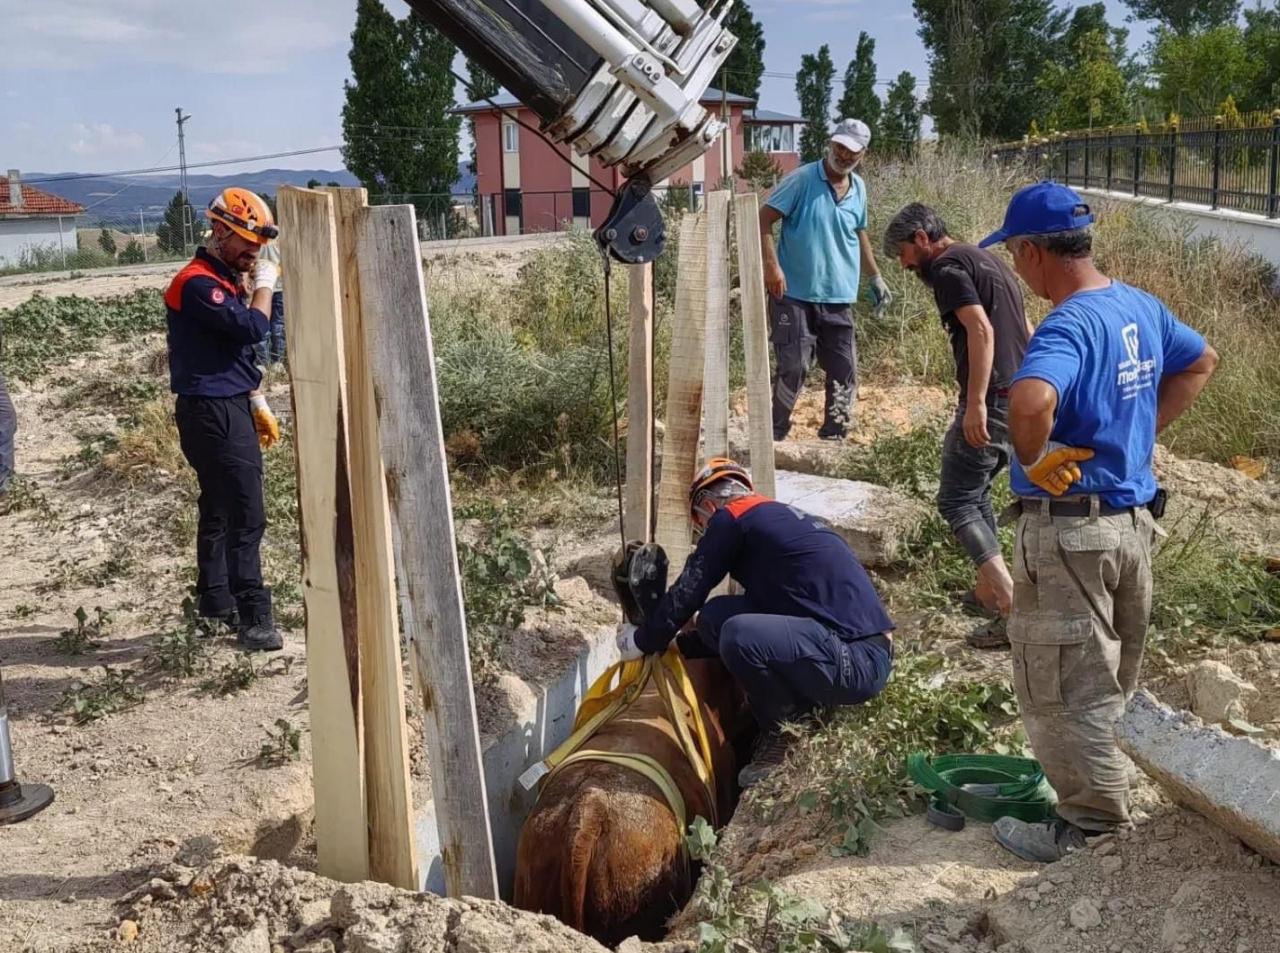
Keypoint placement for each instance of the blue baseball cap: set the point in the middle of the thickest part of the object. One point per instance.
(1041, 209)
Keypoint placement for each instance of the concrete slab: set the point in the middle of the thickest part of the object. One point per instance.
(875, 521)
(1234, 782)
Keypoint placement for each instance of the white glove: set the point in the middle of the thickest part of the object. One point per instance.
(880, 291)
(627, 648)
(265, 275)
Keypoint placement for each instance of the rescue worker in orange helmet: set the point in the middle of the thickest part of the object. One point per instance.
(223, 419)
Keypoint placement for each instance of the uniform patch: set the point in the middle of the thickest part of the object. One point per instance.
(216, 296)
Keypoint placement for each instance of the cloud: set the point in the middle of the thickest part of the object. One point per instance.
(102, 137)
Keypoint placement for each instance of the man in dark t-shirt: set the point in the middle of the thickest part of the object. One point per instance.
(981, 307)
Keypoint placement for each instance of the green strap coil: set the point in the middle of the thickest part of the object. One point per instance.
(1011, 787)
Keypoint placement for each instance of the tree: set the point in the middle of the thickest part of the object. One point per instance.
(1194, 72)
(1262, 46)
(169, 233)
(745, 65)
(984, 59)
(132, 254)
(759, 170)
(107, 242)
(398, 134)
(900, 124)
(860, 100)
(479, 86)
(1186, 16)
(1087, 87)
(813, 89)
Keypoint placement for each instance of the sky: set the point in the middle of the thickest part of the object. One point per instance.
(87, 86)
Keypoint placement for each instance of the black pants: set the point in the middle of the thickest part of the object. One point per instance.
(219, 441)
(964, 490)
(803, 331)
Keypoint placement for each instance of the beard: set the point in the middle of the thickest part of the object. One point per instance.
(841, 168)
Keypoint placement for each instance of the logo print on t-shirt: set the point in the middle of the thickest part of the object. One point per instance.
(216, 296)
(1134, 373)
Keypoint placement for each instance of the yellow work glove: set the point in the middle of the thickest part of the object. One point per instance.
(264, 421)
(1058, 467)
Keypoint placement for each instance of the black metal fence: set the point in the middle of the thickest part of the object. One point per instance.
(1218, 166)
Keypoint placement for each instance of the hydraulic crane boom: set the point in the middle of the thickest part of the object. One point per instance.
(619, 80)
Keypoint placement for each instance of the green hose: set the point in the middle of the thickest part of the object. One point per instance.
(985, 787)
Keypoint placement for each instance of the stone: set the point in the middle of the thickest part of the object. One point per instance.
(875, 521)
(1103, 850)
(257, 940)
(1111, 864)
(127, 931)
(1231, 781)
(1218, 694)
(1084, 915)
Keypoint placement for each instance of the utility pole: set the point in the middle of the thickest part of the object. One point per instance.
(188, 233)
(726, 162)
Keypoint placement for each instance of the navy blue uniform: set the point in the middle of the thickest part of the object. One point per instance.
(809, 629)
(211, 370)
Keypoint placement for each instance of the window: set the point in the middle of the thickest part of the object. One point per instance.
(514, 203)
(510, 137)
(772, 138)
(581, 203)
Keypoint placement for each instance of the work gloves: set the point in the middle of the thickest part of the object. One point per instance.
(627, 648)
(265, 275)
(881, 295)
(264, 422)
(1058, 467)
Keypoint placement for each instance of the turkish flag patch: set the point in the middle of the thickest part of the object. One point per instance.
(216, 296)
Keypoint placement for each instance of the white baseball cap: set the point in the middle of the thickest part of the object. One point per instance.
(852, 134)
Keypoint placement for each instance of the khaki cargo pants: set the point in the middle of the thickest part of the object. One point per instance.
(1081, 603)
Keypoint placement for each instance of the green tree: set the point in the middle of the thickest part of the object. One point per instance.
(1262, 46)
(1087, 87)
(398, 134)
(132, 254)
(813, 89)
(759, 170)
(169, 233)
(984, 59)
(745, 65)
(1194, 72)
(107, 242)
(1186, 16)
(860, 100)
(900, 123)
(479, 86)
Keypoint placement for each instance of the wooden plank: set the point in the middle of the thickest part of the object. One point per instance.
(393, 297)
(684, 391)
(715, 381)
(638, 518)
(308, 242)
(755, 338)
(386, 738)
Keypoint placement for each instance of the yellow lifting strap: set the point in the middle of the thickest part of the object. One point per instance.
(641, 764)
(604, 701)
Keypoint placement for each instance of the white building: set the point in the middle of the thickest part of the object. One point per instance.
(33, 218)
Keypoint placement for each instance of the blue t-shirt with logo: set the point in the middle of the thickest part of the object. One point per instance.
(818, 249)
(1105, 352)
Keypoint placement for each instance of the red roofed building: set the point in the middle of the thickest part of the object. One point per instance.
(33, 218)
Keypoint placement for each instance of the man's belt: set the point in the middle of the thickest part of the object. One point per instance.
(1031, 504)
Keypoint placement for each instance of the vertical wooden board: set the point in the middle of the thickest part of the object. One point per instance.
(755, 338)
(715, 384)
(684, 391)
(638, 517)
(308, 242)
(399, 337)
(386, 741)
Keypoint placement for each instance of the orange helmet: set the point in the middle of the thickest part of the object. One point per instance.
(244, 212)
(709, 485)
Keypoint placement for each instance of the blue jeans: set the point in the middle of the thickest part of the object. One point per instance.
(8, 427)
(964, 490)
(789, 665)
(271, 349)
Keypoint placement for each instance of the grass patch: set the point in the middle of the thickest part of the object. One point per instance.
(283, 744)
(25, 495)
(85, 635)
(88, 701)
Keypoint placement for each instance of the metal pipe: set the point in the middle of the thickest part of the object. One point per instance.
(6, 742)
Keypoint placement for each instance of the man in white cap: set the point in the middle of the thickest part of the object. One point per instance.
(812, 277)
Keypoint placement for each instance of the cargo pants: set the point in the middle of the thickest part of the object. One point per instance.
(1081, 604)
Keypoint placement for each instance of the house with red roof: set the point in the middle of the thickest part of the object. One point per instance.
(525, 184)
(33, 218)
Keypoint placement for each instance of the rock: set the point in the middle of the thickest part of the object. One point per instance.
(1104, 849)
(1218, 694)
(1084, 915)
(1059, 876)
(199, 851)
(127, 931)
(257, 940)
(1111, 864)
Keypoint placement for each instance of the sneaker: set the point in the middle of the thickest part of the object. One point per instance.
(990, 635)
(827, 433)
(1043, 843)
(770, 751)
(260, 635)
(971, 604)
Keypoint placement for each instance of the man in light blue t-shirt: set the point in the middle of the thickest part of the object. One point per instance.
(1104, 373)
(812, 277)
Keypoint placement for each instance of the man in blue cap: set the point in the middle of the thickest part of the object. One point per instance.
(1104, 373)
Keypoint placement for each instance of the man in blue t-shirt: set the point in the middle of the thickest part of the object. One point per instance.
(1107, 370)
(812, 277)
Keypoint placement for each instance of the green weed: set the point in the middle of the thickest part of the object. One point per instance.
(24, 611)
(282, 745)
(89, 701)
(84, 635)
(94, 445)
(232, 676)
(25, 495)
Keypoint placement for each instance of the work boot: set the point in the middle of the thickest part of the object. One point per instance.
(973, 605)
(1042, 843)
(990, 635)
(260, 635)
(770, 751)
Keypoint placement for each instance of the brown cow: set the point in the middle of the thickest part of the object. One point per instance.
(602, 851)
